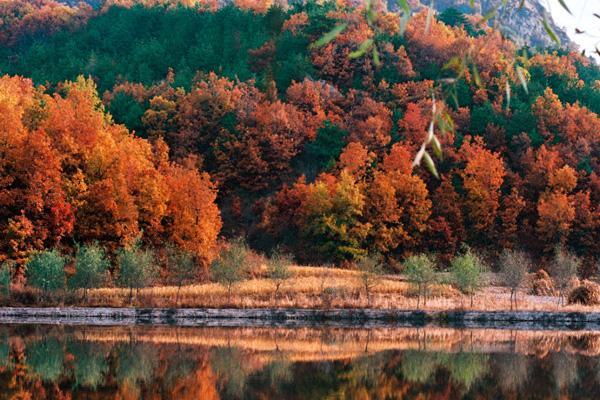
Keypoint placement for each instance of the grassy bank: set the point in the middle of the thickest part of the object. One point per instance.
(307, 287)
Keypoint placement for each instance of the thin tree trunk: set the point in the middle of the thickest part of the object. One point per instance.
(177, 295)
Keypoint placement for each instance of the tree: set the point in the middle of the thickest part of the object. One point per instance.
(371, 270)
(137, 268)
(420, 271)
(230, 267)
(514, 266)
(467, 271)
(182, 267)
(91, 267)
(45, 271)
(278, 268)
(563, 268)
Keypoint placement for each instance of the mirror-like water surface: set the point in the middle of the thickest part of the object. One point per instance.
(57, 362)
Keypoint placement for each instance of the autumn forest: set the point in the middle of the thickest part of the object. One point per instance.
(190, 124)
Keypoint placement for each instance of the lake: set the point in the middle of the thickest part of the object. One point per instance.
(163, 362)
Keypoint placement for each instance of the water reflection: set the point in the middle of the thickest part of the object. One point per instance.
(302, 363)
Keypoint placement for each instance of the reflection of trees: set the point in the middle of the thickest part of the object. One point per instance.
(564, 370)
(135, 364)
(227, 363)
(418, 366)
(466, 368)
(512, 370)
(182, 364)
(279, 371)
(90, 365)
(45, 358)
(4, 349)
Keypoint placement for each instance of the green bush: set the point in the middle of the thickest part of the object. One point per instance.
(420, 271)
(231, 265)
(467, 273)
(5, 271)
(91, 267)
(45, 271)
(137, 268)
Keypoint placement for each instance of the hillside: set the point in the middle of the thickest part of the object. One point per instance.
(302, 146)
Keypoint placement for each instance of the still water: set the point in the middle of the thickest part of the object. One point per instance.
(63, 362)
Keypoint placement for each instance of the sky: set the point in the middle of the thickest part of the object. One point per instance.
(582, 18)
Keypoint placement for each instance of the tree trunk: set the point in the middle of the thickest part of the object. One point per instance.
(177, 295)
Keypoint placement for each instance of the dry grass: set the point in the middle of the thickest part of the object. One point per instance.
(315, 287)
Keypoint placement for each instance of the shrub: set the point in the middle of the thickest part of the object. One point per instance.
(513, 269)
(182, 266)
(542, 284)
(137, 268)
(420, 271)
(45, 271)
(278, 268)
(5, 271)
(371, 270)
(91, 267)
(588, 294)
(563, 268)
(231, 265)
(467, 273)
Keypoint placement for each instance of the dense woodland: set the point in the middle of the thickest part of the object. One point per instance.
(181, 123)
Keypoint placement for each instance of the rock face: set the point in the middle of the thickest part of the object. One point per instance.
(523, 25)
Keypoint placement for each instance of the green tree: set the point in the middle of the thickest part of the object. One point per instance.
(182, 267)
(137, 268)
(371, 271)
(513, 269)
(420, 271)
(90, 364)
(278, 268)
(45, 271)
(91, 267)
(46, 357)
(467, 272)
(231, 265)
(5, 272)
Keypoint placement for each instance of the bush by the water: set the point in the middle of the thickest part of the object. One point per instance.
(46, 271)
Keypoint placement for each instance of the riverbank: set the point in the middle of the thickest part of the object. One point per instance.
(264, 317)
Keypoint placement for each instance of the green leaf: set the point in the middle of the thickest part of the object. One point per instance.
(376, 60)
(521, 76)
(549, 30)
(362, 49)
(430, 165)
(562, 3)
(404, 6)
(472, 3)
(329, 36)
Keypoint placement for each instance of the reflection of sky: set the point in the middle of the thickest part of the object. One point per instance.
(583, 18)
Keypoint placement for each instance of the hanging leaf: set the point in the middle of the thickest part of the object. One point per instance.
(521, 76)
(437, 147)
(472, 3)
(563, 5)
(549, 30)
(507, 95)
(404, 18)
(476, 76)
(429, 19)
(521, 4)
(376, 60)
(404, 6)
(362, 49)
(430, 165)
(329, 36)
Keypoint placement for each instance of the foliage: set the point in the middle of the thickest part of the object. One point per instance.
(420, 271)
(90, 364)
(45, 271)
(467, 272)
(6, 269)
(91, 268)
(181, 266)
(46, 358)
